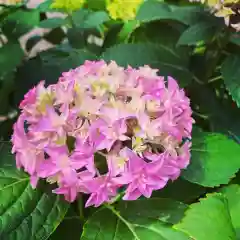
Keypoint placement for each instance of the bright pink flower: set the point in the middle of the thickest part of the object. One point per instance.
(145, 176)
(130, 117)
(59, 163)
(29, 98)
(83, 155)
(27, 154)
(102, 189)
(52, 121)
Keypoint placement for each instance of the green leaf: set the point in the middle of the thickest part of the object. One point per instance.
(53, 22)
(76, 37)
(202, 31)
(112, 35)
(45, 6)
(7, 61)
(70, 224)
(157, 56)
(139, 220)
(126, 31)
(188, 15)
(25, 17)
(49, 65)
(154, 10)
(167, 35)
(231, 76)
(6, 158)
(19, 23)
(95, 19)
(26, 213)
(208, 219)
(214, 159)
(78, 17)
(181, 190)
(235, 38)
(7, 87)
(232, 193)
(221, 117)
(96, 5)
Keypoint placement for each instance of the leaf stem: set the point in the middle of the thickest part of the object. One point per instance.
(71, 20)
(81, 208)
(197, 80)
(200, 115)
(215, 79)
(118, 197)
(123, 220)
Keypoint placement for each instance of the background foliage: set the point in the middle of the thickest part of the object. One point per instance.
(180, 39)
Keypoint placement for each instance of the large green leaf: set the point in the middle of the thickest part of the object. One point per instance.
(235, 38)
(20, 22)
(158, 56)
(162, 33)
(49, 66)
(70, 224)
(202, 31)
(53, 22)
(138, 220)
(181, 190)
(7, 87)
(45, 6)
(154, 10)
(214, 161)
(208, 219)
(77, 37)
(231, 76)
(232, 193)
(221, 115)
(25, 17)
(96, 5)
(78, 17)
(25, 213)
(7, 61)
(188, 15)
(95, 19)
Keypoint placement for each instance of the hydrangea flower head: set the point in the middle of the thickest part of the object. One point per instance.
(102, 128)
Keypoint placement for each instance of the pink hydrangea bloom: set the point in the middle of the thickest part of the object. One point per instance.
(101, 128)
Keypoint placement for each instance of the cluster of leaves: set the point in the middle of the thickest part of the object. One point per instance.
(180, 39)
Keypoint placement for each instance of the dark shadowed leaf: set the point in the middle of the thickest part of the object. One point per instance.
(154, 10)
(53, 22)
(20, 22)
(8, 63)
(202, 31)
(157, 56)
(181, 190)
(95, 19)
(48, 66)
(231, 76)
(71, 225)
